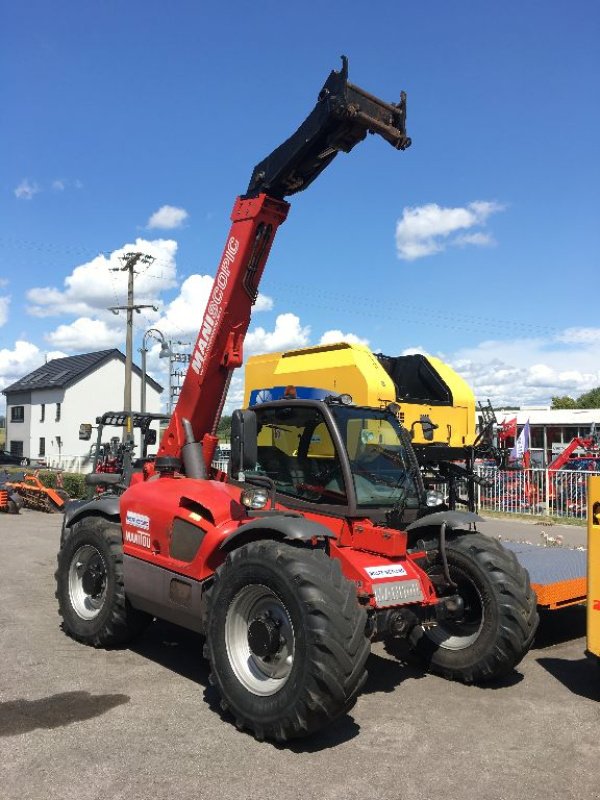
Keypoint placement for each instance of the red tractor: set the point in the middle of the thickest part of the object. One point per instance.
(321, 539)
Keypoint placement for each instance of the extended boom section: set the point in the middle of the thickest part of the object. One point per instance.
(342, 117)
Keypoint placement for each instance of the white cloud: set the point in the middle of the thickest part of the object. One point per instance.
(425, 230)
(4, 304)
(479, 239)
(579, 336)
(525, 371)
(287, 335)
(59, 185)
(15, 363)
(94, 286)
(183, 315)
(331, 337)
(27, 189)
(86, 334)
(263, 303)
(168, 218)
(24, 358)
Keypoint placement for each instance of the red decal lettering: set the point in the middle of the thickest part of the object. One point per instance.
(596, 605)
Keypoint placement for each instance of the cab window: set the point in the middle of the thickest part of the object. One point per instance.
(296, 451)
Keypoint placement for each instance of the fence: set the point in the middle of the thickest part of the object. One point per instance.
(534, 491)
(529, 491)
(69, 463)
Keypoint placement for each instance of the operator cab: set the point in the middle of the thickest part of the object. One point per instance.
(345, 459)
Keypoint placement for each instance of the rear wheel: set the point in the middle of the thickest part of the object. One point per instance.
(285, 639)
(500, 614)
(90, 588)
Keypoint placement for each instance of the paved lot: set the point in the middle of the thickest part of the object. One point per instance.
(142, 723)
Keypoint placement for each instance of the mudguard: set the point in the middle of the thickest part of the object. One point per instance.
(285, 526)
(452, 519)
(106, 505)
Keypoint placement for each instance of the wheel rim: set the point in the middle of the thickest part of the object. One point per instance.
(87, 582)
(259, 638)
(461, 634)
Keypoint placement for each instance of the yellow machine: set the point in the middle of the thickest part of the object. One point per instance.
(426, 391)
(593, 567)
(424, 388)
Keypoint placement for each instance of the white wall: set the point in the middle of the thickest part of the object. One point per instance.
(100, 391)
(18, 431)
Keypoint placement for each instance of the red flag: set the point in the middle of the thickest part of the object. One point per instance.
(508, 428)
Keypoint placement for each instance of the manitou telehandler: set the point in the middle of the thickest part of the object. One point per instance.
(294, 562)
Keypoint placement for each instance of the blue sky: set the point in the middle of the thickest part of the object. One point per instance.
(137, 124)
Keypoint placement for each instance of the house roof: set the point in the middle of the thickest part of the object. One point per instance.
(62, 372)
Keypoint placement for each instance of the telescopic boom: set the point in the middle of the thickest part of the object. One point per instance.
(342, 117)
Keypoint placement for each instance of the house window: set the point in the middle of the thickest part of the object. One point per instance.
(17, 414)
(16, 448)
(42, 412)
(58, 412)
(42, 450)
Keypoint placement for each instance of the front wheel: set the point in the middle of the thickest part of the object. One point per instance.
(90, 587)
(285, 639)
(499, 620)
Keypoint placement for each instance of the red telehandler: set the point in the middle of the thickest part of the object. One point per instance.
(320, 539)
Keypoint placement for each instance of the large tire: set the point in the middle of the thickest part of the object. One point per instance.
(500, 617)
(90, 588)
(285, 639)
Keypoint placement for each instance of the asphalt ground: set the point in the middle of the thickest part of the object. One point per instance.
(144, 723)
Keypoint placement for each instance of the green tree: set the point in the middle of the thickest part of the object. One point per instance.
(224, 429)
(564, 402)
(590, 399)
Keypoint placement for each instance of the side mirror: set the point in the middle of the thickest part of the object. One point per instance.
(85, 431)
(243, 442)
(150, 436)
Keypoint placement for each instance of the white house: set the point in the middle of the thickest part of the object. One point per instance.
(45, 408)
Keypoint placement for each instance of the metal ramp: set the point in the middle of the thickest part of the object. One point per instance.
(558, 575)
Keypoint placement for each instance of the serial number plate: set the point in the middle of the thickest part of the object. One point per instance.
(397, 593)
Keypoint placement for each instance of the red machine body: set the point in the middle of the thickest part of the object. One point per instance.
(151, 512)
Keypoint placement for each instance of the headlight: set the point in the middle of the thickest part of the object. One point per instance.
(254, 498)
(433, 499)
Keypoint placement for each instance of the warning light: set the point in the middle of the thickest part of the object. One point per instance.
(290, 393)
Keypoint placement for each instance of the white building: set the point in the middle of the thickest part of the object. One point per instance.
(551, 429)
(45, 408)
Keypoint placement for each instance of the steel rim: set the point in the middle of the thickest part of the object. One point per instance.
(86, 604)
(461, 635)
(262, 676)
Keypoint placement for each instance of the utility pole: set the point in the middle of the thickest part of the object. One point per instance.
(130, 260)
(176, 358)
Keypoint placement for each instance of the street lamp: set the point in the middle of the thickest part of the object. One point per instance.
(165, 352)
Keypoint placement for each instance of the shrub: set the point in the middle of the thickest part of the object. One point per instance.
(73, 482)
